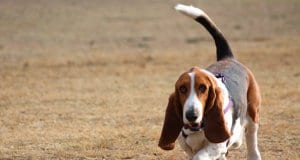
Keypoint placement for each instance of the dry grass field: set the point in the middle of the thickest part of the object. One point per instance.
(91, 79)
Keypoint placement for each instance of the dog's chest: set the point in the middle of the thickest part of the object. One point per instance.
(196, 141)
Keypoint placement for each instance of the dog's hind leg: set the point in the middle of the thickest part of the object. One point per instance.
(251, 140)
(254, 102)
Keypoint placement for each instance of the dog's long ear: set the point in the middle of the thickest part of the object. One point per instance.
(173, 123)
(215, 129)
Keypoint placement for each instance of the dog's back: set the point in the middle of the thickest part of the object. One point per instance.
(235, 77)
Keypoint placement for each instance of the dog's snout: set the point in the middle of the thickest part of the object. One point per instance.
(191, 115)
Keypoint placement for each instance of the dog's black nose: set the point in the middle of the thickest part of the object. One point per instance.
(191, 116)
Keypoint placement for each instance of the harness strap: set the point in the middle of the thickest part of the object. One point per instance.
(229, 105)
(184, 134)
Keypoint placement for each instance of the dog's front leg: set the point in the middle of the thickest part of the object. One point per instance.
(184, 146)
(213, 151)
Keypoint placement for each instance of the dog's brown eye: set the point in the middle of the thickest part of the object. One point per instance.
(202, 88)
(183, 89)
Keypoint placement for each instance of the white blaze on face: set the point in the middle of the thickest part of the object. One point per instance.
(192, 102)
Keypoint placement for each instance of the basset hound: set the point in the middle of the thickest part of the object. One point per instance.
(213, 108)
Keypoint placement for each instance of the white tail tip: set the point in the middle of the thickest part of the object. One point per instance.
(190, 11)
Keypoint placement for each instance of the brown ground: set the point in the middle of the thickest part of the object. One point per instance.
(90, 79)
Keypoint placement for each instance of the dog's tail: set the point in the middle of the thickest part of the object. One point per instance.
(223, 48)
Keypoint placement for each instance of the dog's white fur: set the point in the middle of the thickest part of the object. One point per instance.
(193, 102)
(190, 11)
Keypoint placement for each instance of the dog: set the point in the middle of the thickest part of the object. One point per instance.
(212, 109)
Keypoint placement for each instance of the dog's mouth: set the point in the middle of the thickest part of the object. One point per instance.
(194, 126)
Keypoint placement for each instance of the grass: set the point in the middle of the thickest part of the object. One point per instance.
(81, 82)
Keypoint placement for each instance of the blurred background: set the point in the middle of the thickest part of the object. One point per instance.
(91, 79)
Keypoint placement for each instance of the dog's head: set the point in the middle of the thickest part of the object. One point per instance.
(197, 99)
